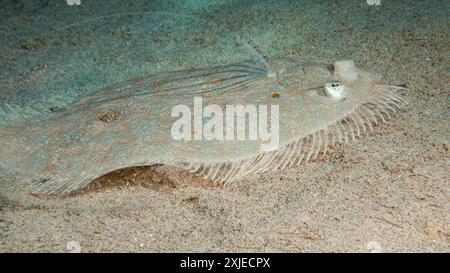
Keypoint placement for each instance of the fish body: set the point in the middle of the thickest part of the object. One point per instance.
(132, 123)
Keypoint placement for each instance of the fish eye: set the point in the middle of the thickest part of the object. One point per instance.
(334, 90)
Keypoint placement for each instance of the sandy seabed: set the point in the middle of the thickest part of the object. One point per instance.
(388, 191)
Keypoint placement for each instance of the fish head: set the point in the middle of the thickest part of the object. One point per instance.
(335, 82)
(318, 96)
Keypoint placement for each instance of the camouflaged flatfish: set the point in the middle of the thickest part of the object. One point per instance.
(129, 123)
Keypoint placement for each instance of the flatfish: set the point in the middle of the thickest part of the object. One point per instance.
(221, 123)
